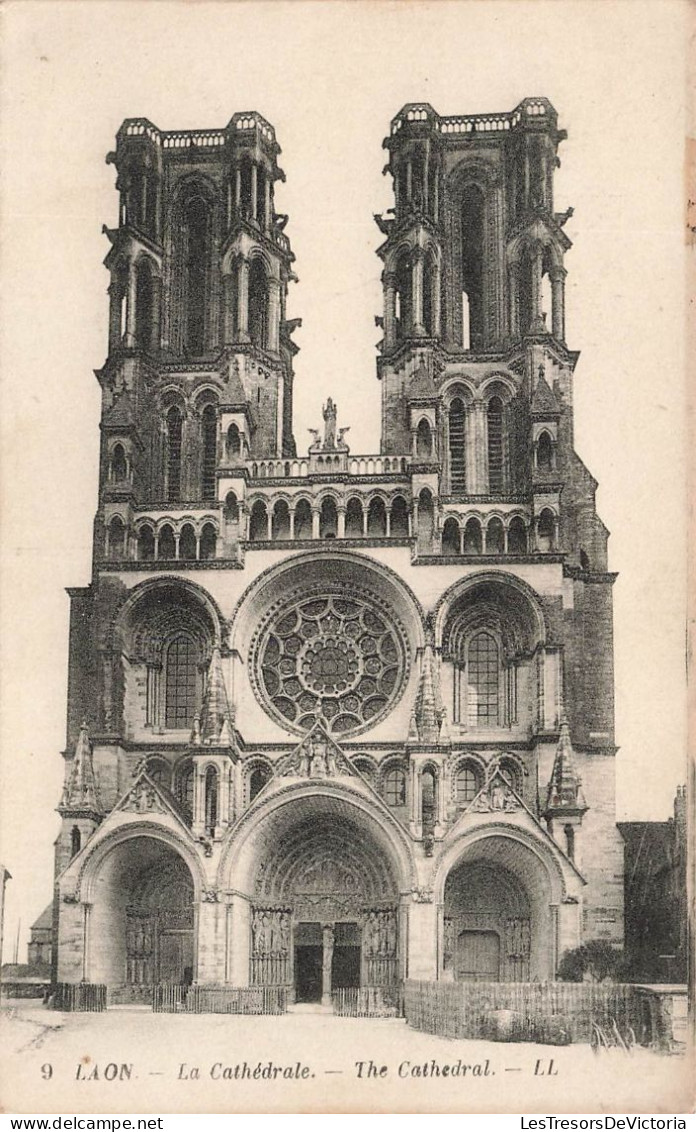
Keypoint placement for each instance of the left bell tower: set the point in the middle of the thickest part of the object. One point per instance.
(200, 348)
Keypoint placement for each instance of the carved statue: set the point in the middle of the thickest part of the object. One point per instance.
(330, 413)
(316, 437)
(340, 443)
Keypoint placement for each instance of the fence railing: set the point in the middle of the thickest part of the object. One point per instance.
(368, 1002)
(169, 998)
(88, 997)
(557, 1013)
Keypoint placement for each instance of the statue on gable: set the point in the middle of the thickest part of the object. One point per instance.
(330, 412)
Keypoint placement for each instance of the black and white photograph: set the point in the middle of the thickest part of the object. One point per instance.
(344, 510)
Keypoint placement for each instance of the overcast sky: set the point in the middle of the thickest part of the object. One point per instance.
(330, 77)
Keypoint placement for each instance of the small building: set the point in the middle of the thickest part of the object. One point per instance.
(40, 949)
(655, 854)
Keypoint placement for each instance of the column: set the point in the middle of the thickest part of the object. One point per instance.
(558, 275)
(327, 933)
(130, 308)
(426, 178)
(341, 527)
(267, 202)
(435, 298)
(422, 941)
(243, 300)
(273, 315)
(86, 909)
(537, 268)
(143, 201)
(409, 180)
(514, 277)
(315, 522)
(254, 189)
(229, 203)
(237, 189)
(389, 290)
(292, 522)
(417, 327)
(228, 327)
(115, 299)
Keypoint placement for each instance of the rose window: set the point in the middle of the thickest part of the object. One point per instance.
(331, 656)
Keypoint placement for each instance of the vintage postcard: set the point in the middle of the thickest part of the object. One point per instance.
(343, 749)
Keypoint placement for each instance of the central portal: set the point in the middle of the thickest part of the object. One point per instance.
(325, 909)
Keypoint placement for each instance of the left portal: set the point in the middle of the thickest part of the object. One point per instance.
(141, 920)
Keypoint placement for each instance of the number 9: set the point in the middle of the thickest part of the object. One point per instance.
(47, 1071)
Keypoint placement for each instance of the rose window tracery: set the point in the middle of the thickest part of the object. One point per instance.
(334, 656)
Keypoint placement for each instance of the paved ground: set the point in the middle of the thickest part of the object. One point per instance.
(160, 1063)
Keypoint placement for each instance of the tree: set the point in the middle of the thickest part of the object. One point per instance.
(595, 961)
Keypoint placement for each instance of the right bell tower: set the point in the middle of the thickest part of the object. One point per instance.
(473, 260)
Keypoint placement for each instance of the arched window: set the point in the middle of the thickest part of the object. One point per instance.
(258, 778)
(158, 771)
(526, 290)
(280, 523)
(119, 467)
(208, 452)
(211, 800)
(395, 787)
(117, 538)
(303, 519)
(403, 296)
(495, 536)
(544, 452)
(328, 519)
(354, 519)
(473, 541)
(245, 187)
(426, 521)
(75, 841)
(258, 522)
(366, 769)
(511, 771)
(196, 240)
(451, 537)
(377, 518)
(467, 783)
(184, 788)
(234, 442)
(428, 799)
(166, 543)
(187, 543)
(261, 196)
(483, 681)
(174, 434)
(424, 440)
(547, 531)
(258, 304)
(231, 507)
(146, 544)
(208, 542)
(144, 305)
(457, 450)
(399, 518)
(429, 282)
(496, 456)
(517, 536)
(472, 221)
(181, 682)
(584, 561)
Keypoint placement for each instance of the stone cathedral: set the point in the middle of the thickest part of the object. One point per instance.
(336, 719)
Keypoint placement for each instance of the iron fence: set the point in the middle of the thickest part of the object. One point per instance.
(556, 1013)
(170, 998)
(368, 1002)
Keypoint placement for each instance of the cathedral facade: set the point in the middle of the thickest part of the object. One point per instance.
(339, 719)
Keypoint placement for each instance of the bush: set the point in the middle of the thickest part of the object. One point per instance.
(595, 961)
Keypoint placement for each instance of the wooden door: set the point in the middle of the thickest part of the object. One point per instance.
(478, 957)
